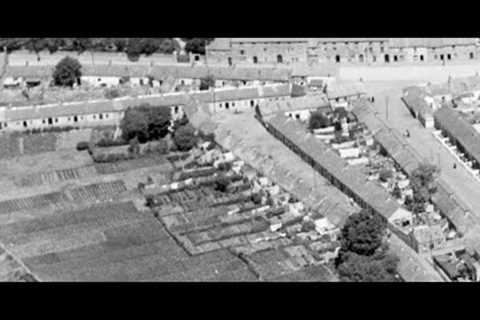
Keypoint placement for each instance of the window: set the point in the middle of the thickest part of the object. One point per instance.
(56, 120)
(381, 49)
(75, 118)
(68, 119)
(255, 59)
(471, 55)
(242, 52)
(43, 121)
(106, 115)
(251, 103)
(226, 105)
(449, 56)
(100, 116)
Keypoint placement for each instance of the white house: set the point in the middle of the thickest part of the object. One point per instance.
(101, 81)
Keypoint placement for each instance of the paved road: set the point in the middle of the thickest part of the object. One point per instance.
(465, 186)
(425, 73)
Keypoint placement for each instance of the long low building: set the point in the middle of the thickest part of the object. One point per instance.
(348, 179)
(163, 71)
(408, 159)
(102, 112)
(299, 108)
(419, 104)
(460, 132)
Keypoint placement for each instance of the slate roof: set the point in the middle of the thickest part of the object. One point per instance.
(339, 89)
(461, 129)
(414, 98)
(430, 42)
(408, 159)
(261, 73)
(120, 104)
(370, 192)
(294, 104)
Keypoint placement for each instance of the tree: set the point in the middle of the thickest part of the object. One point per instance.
(134, 125)
(222, 183)
(134, 49)
(146, 123)
(67, 72)
(358, 268)
(318, 120)
(180, 122)
(134, 146)
(196, 45)
(362, 233)
(422, 181)
(207, 83)
(185, 138)
(159, 121)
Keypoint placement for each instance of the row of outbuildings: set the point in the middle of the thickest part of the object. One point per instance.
(113, 73)
(408, 159)
(110, 112)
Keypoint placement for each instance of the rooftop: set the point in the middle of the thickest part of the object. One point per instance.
(352, 177)
(461, 129)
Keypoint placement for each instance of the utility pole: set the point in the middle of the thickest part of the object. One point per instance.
(386, 107)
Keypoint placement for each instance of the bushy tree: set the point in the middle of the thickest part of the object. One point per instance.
(359, 268)
(318, 120)
(185, 138)
(159, 121)
(67, 72)
(145, 123)
(363, 233)
(207, 83)
(196, 45)
(222, 183)
(422, 181)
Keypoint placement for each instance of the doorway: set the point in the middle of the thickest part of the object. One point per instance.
(279, 58)
(337, 58)
(387, 58)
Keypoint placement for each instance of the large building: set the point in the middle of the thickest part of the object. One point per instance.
(285, 51)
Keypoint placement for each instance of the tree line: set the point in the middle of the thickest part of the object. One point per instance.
(133, 47)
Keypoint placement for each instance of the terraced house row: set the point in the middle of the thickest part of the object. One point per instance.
(285, 51)
(110, 112)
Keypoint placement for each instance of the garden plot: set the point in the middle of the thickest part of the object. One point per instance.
(106, 215)
(55, 177)
(66, 200)
(70, 139)
(114, 248)
(97, 192)
(53, 201)
(310, 273)
(38, 143)
(45, 162)
(9, 146)
(121, 166)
